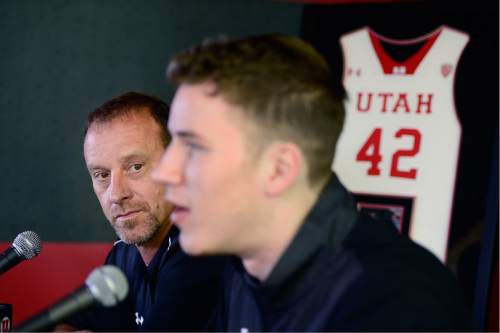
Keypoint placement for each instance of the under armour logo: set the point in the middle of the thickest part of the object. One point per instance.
(138, 319)
(399, 70)
(244, 330)
(351, 71)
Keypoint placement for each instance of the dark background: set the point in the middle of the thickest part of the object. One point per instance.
(59, 60)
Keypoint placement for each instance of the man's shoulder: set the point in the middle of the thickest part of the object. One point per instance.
(384, 254)
(121, 253)
(177, 262)
(121, 247)
(400, 278)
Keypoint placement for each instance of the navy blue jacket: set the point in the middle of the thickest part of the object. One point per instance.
(175, 292)
(344, 272)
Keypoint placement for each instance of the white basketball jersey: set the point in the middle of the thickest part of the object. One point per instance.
(401, 136)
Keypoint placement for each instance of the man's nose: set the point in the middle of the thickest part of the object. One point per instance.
(170, 169)
(119, 189)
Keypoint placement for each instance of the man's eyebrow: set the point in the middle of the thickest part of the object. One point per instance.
(92, 168)
(184, 134)
(123, 160)
(133, 157)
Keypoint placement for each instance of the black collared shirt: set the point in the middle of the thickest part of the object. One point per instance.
(175, 292)
(344, 272)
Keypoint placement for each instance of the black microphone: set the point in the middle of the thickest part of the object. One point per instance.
(25, 246)
(105, 285)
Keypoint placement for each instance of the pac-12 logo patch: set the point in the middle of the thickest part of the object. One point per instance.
(446, 69)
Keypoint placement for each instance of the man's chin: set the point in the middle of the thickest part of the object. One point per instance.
(191, 247)
(133, 238)
(127, 240)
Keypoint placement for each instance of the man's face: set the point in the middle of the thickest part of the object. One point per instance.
(209, 174)
(120, 155)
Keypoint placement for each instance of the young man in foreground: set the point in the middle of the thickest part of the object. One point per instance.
(254, 125)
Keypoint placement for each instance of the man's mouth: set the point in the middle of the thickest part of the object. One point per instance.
(179, 214)
(127, 215)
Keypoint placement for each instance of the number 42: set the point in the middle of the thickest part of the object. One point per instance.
(370, 152)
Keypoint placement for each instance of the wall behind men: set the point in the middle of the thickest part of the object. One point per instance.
(59, 60)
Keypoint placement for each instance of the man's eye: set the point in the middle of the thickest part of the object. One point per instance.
(193, 146)
(136, 167)
(100, 175)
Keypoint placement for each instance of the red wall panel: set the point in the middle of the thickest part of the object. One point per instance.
(60, 268)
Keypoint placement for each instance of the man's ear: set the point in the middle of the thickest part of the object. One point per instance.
(284, 163)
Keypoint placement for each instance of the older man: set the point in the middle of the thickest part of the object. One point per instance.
(169, 291)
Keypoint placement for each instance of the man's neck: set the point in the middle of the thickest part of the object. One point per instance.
(149, 249)
(276, 235)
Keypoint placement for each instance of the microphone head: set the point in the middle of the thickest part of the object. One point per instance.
(27, 244)
(108, 285)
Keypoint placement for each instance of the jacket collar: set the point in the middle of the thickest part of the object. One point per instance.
(326, 225)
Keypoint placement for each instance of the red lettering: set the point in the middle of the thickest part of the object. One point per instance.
(412, 173)
(368, 104)
(401, 102)
(370, 152)
(384, 100)
(426, 103)
(421, 103)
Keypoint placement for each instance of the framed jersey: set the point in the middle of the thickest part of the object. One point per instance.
(434, 85)
(401, 135)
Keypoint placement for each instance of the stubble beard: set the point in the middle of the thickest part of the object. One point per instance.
(137, 232)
